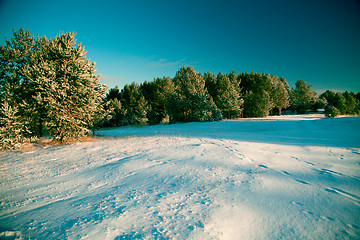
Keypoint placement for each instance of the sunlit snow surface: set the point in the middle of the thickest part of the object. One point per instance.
(295, 177)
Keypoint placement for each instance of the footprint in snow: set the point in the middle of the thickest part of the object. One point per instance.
(324, 170)
(310, 163)
(301, 181)
(285, 172)
(355, 199)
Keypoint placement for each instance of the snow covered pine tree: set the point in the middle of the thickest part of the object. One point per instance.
(67, 88)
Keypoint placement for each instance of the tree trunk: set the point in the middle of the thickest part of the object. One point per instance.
(41, 127)
(279, 111)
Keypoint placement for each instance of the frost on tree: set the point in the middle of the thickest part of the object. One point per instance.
(228, 98)
(68, 93)
(191, 101)
(14, 55)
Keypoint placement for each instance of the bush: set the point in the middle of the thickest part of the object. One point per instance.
(331, 111)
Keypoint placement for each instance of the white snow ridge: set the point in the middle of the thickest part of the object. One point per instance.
(292, 177)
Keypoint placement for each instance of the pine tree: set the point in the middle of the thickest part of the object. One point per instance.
(69, 97)
(13, 56)
(257, 104)
(211, 84)
(228, 98)
(280, 94)
(302, 96)
(351, 104)
(134, 104)
(156, 94)
(13, 127)
(257, 91)
(190, 101)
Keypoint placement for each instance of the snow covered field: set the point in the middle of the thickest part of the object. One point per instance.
(292, 177)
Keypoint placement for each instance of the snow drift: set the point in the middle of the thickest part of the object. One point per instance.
(294, 177)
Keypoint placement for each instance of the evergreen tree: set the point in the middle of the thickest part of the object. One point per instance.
(134, 104)
(228, 98)
(156, 93)
(235, 81)
(114, 93)
(302, 97)
(14, 55)
(338, 103)
(280, 93)
(351, 103)
(69, 97)
(13, 127)
(331, 111)
(211, 84)
(257, 104)
(116, 113)
(190, 101)
(257, 90)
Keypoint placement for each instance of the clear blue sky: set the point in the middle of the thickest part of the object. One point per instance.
(314, 40)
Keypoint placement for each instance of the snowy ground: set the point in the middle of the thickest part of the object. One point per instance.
(295, 177)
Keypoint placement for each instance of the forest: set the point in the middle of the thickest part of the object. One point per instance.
(48, 87)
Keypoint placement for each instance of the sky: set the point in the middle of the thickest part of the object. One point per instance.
(135, 41)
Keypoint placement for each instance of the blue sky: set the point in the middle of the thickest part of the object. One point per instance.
(314, 40)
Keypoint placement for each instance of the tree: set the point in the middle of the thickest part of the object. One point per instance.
(280, 94)
(331, 111)
(302, 96)
(114, 93)
(14, 55)
(257, 91)
(338, 103)
(156, 93)
(211, 84)
(11, 129)
(351, 103)
(13, 126)
(228, 98)
(134, 104)
(69, 96)
(257, 104)
(190, 101)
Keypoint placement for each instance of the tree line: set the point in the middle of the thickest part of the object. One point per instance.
(49, 87)
(194, 97)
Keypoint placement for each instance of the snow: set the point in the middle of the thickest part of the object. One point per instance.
(290, 177)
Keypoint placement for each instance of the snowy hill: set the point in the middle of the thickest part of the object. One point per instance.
(294, 177)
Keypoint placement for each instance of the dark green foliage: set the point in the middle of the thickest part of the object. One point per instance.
(302, 97)
(345, 103)
(279, 93)
(68, 94)
(318, 104)
(14, 55)
(351, 103)
(12, 127)
(156, 93)
(49, 84)
(114, 93)
(134, 105)
(190, 101)
(257, 104)
(227, 97)
(257, 89)
(211, 84)
(331, 111)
